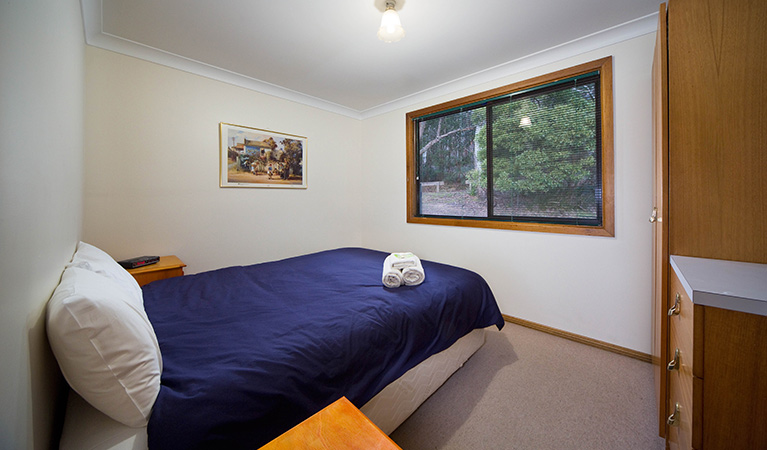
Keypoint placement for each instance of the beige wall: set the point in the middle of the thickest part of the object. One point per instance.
(41, 133)
(151, 187)
(595, 287)
(151, 170)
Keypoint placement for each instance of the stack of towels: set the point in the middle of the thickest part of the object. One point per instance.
(402, 268)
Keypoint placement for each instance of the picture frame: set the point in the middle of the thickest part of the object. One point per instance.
(257, 158)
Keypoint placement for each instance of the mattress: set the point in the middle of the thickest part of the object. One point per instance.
(86, 428)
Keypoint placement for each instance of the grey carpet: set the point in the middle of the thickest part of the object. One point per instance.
(525, 389)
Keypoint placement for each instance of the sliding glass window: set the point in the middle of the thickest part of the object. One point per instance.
(532, 156)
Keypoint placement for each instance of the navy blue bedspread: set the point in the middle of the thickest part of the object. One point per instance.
(249, 352)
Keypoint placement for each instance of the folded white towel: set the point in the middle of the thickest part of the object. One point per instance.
(402, 260)
(413, 276)
(391, 278)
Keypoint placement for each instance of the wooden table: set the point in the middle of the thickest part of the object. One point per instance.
(167, 267)
(340, 426)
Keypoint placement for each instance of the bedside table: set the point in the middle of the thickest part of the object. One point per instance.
(167, 267)
(340, 426)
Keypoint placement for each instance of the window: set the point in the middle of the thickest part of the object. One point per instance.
(535, 155)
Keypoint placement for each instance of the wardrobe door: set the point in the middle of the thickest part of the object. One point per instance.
(717, 61)
(658, 214)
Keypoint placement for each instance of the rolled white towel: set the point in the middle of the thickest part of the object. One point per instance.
(413, 276)
(391, 278)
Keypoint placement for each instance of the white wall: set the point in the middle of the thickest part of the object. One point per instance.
(151, 170)
(41, 128)
(591, 286)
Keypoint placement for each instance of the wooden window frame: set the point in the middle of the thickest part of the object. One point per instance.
(604, 66)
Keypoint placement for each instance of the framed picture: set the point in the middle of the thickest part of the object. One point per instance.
(250, 157)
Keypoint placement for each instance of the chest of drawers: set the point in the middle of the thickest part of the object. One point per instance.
(717, 376)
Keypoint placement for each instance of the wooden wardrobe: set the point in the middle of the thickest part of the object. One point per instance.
(710, 196)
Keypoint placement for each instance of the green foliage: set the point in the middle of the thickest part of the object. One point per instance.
(477, 181)
(552, 159)
(293, 155)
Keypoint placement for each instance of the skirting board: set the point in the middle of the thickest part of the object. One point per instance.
(582, 339)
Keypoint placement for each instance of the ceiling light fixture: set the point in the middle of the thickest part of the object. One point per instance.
(391, 28)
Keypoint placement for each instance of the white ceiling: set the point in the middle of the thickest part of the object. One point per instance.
(326, 53)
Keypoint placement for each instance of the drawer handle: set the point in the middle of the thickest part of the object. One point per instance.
(674, 364)
(674, 310)
(654, 216)
(673, 419)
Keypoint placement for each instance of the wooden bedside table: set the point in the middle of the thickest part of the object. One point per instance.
(340, 426)
(166, 267)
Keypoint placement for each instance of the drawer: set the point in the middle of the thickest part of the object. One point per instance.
(681, 405)
(681, 351)
(681, 323)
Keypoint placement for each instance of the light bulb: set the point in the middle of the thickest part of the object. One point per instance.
(391, 28)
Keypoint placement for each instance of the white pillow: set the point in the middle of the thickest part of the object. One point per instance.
(105, 345)
(96, 260)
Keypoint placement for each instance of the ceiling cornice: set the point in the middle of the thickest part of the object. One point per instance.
(95, 36)
(635, 28)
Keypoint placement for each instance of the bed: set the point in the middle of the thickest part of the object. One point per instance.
(244, 353)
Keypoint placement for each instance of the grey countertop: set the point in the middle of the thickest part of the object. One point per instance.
(732, 285)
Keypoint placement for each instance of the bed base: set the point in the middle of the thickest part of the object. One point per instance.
(87, 428)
